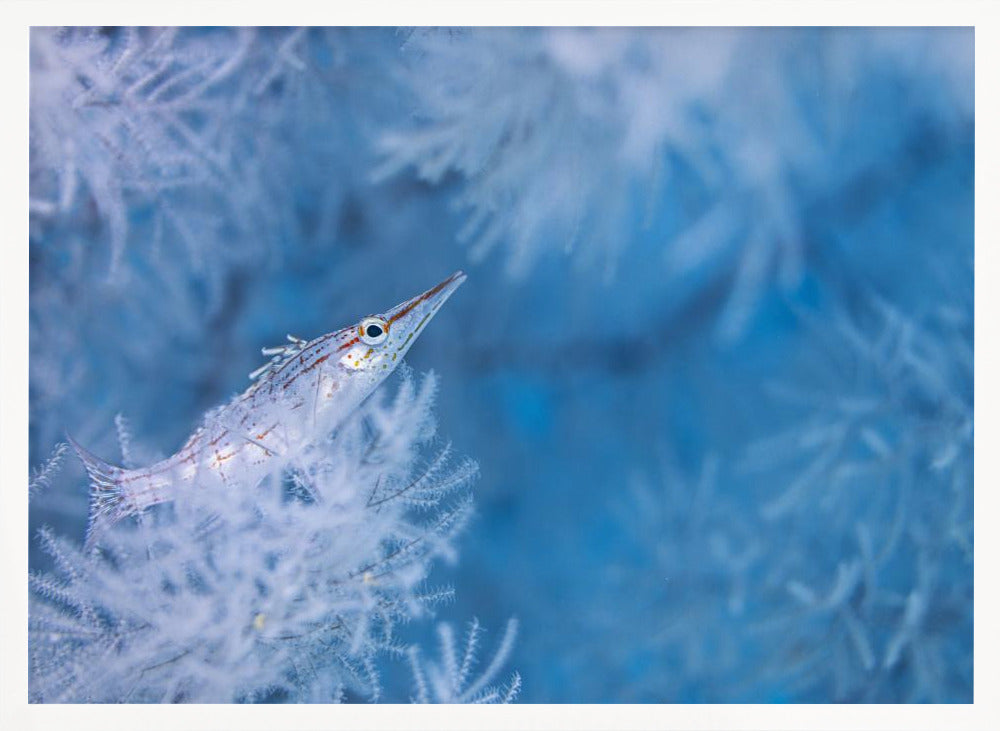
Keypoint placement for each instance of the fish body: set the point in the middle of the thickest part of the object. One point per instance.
(306, 390)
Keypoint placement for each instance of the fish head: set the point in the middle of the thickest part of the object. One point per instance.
(373, 347)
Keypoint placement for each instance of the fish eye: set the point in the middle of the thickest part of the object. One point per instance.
(373, 330)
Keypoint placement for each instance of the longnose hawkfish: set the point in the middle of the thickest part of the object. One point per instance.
(314, 384)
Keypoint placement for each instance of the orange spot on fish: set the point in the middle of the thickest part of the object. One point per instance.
(316, 362)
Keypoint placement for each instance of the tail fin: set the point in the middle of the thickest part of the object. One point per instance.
(108, 502)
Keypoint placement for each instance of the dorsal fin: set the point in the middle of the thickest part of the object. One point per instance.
(280, 354)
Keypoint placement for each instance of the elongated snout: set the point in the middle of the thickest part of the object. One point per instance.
(407, 319)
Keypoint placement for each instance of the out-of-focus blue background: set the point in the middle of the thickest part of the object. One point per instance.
(713, 355)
